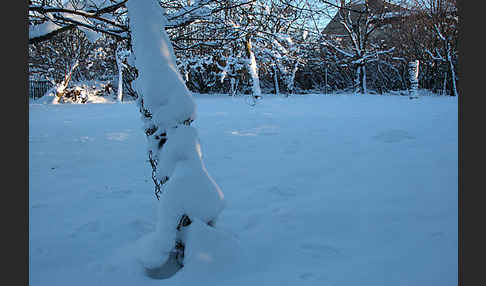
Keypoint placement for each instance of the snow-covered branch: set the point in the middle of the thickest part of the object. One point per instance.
(52, 20)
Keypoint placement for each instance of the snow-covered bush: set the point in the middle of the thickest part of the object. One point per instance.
(80, 92)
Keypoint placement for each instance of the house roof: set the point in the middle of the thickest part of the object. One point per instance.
(377, 7)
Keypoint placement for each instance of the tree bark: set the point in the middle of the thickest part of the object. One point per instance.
(119, 65)
(252, 67)
(452, 69)
(275, 80)
(174, 152)
(413, 72)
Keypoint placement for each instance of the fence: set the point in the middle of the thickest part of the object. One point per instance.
(37, 88)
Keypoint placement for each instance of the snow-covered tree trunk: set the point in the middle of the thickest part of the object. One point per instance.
(448, 59)
(226, 72)
(364, 88)
(444, 84)
(252, 68)
(275, 80)
(69, 75)
(452, 69)
(413, 72)
(234, 85)
(182, 183)
(357, 80)
(61, 87)
(291, 78)
(119, 65)
(325, 80)
(360, 86)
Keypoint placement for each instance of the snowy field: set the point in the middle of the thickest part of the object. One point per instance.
(320, 190)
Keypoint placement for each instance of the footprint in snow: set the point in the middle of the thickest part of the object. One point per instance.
(283, 192)
(266, 130)
(109, 192)
(293, 147)
(306, 276)
(142, 227)
(320, 250)
(312, 276)
(437, 234)
(393, 136)
(252, 221)
(90, 227)
(83, 139)
(117, 136)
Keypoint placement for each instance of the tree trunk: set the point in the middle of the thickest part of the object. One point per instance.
(356, 80)
(452, 70)
(233, 83)
(252, 67)
(364, 88)
(291, 78)
(119, 65)
(61, 89)
(413, 72)
(325, 80)
(275, 80)
(444, 84)
(183, 186)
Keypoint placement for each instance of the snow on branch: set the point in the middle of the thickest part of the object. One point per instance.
(366, 57)
(343, 52)
(439, 33)
(51, 20)
(44, 31)
(437, 57)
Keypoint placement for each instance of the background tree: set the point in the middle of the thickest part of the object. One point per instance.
(291, 43)
(54, 59)
(430, 35)
(361, 21)
(441, 20)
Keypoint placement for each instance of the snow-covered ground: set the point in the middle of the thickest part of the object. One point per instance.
(320, 190)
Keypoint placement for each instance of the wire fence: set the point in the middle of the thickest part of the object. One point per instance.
(37, 88)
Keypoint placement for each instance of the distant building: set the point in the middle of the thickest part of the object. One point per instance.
(382, 13)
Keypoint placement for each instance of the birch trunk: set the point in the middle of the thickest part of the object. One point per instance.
(451, 67)
(413, 72)
(119, 65)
